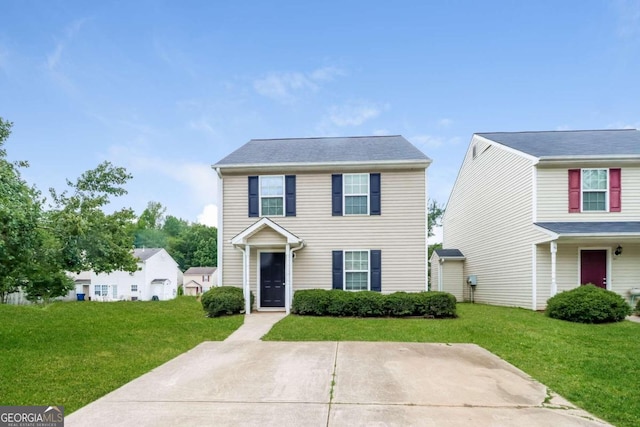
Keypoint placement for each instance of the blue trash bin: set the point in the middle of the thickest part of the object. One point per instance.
(80, 297)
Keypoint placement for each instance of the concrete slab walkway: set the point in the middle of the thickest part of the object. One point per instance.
(254, 383)
(256, 325)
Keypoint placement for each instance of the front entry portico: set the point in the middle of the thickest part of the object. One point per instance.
(269, 249)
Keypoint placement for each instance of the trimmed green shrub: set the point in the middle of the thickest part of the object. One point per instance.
(588, 304)
(310, 302)
(339, 303)
(399, 304)
(434, 304)
(223, 300)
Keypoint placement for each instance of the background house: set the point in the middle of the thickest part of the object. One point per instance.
(199, 279)
(537, 213)
(157, 278)
(344, 213)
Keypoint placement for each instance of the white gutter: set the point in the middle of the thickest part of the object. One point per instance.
(220, 243)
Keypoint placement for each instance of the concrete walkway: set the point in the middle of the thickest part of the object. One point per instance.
(243, 381)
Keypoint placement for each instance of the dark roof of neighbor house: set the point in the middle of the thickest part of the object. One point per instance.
(144, 254)
(352, 149)
(575, 143)
(449, 253)
(607, 227)
(201, 270)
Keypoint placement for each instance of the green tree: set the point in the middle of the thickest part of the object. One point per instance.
(149, 231)
(20, 211)
(434, 219)
(195, 246)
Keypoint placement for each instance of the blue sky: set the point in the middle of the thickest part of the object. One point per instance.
(167, 88)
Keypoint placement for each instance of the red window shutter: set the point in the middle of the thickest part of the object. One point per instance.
(574, 190)
(615, 190)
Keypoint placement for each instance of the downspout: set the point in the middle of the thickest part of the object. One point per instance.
(554, 284)
(290, 284)
(220, 233)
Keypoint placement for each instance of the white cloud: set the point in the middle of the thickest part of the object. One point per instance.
(624, 125)
(203, 125)
(445, 122)
(628, 18)
(437, 236)
(54, 58)
(427, 141)
(209, 216)
(284, 87)
(353, 113)
(563, 127)
(381, 132)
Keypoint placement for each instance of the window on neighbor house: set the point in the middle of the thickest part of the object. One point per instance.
(134, 288)
(594, 189)
(205, 278)
(272, 195)
(114, 291)
(356, 270)
(101, 290)
(356, 194)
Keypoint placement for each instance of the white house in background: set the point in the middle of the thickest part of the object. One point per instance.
(157, 278)
(199, 279)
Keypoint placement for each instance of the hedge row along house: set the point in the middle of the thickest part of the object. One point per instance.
(344, 213)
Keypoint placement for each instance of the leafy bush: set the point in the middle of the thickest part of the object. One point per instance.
(222, 300)
(339, 303)
(638, 308)
(588, 304)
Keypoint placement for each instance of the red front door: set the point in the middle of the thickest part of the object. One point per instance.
(593, 267)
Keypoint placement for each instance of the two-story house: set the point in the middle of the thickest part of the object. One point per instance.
(199, 279)
(156, 279)
(344, 213)
(535, 213)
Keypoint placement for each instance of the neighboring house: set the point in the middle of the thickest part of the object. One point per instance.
(157, 278)
(199, 279)
(344, 213)
(537, 213)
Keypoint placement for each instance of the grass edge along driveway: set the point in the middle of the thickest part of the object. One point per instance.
(594, 366)
(71, 353)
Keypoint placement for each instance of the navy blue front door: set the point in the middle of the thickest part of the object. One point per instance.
(272, 279)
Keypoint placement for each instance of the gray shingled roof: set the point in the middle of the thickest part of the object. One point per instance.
(577, 143)
(144, 254)
(611, 227)
(200, 270)
(449, 253)
(324, 150)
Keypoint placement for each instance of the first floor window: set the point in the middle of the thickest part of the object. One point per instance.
(205, 278)
(101, 290)
(134, 288)
(356, 270)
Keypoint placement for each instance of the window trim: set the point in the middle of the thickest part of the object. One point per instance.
(283, 196)
(606, 190)
(345, 195)
(344, 269)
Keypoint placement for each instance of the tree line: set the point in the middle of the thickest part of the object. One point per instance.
(43, 238)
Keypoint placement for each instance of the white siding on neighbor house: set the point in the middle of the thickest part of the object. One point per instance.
(623, 275)
(452, 273)
(158, 266)
(553, 195)
(489, 218)
(399, 232)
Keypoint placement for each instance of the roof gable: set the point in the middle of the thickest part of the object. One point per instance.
(579, 143)
(303, 151)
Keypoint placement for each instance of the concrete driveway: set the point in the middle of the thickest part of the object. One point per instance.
(254, 383)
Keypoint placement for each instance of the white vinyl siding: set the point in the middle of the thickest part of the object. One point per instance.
(489, 218)
(400, 233)
(553, 198)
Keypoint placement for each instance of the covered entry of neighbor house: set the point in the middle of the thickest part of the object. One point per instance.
(272, 279)
(593, 267)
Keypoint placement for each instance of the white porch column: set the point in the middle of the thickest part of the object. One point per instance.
(287, 279)
(554, 284)
(247, 287)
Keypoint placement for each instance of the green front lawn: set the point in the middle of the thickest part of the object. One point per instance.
(72, 353)
(597, 367)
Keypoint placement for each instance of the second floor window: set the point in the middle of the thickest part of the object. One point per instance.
(356, 194)
(272, 195)
(205, 278)
(594, 189)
